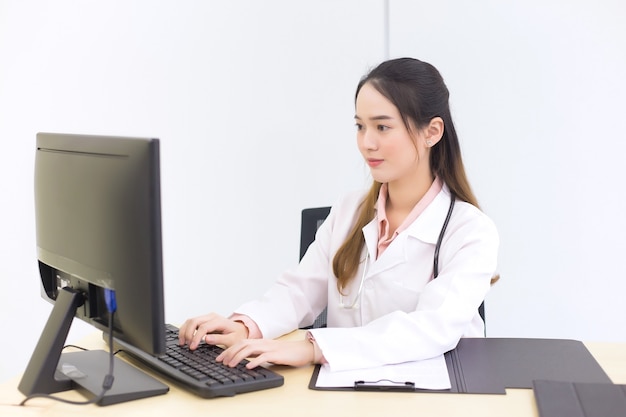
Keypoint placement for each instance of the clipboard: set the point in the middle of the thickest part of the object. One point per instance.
(381, 385)
(491, 365)
(407, 376)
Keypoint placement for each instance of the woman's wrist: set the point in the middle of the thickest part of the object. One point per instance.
(252, 329)
(245, 331)
(317, 352)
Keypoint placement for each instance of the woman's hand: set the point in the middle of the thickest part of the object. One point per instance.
(213, 329)
(280, 352)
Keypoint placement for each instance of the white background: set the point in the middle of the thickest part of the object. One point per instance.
(253, 103)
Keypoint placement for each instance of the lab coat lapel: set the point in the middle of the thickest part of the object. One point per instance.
(370, 233)
(425, 228)
(392, 256)
(428, 225)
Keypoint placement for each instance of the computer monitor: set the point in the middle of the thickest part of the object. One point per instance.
(98, 228)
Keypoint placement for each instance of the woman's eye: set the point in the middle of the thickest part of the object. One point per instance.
(382, 128)
(358, 126)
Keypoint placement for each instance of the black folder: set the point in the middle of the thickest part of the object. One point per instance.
(490, 365)
(579, 399)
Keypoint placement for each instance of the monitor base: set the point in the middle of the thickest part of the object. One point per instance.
(86, 370)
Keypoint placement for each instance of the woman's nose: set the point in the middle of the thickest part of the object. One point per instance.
(369, 140)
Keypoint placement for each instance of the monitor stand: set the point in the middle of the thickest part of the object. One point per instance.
(49, 370)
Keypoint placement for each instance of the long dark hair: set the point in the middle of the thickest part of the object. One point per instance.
(419, 93)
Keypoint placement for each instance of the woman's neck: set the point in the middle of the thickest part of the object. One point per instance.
(404, 195)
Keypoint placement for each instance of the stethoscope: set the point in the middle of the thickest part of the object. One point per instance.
(355, 302)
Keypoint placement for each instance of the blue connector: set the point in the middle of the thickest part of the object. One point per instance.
(109, 299)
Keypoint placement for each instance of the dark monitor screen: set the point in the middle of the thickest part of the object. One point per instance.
(98, 227)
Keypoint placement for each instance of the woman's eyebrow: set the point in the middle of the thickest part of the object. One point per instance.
(381, 117)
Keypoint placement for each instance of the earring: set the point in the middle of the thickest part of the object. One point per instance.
(429, 143)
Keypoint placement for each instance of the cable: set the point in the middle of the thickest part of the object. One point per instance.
(107, 383)
(74, 346)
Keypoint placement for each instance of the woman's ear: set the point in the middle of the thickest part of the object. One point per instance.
(434, 131)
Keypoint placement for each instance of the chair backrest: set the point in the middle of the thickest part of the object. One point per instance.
(312, 219)
(481, 311)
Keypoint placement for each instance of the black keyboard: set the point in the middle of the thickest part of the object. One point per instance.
(198, 372)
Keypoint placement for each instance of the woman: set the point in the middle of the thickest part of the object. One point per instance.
(372, 262)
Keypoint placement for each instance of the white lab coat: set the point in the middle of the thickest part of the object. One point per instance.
(402, 314)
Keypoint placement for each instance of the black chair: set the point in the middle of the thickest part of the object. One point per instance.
(481, 311)
(312, 219)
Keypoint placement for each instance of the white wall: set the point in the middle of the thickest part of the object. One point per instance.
(537, 88)
(253, 102)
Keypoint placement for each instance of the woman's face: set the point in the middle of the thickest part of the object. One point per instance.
(391, 151)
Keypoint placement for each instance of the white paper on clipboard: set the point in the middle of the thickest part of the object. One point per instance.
(425, 374)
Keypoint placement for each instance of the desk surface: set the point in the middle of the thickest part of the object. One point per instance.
(295, 397)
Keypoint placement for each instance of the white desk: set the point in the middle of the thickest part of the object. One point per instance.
(295, 399)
